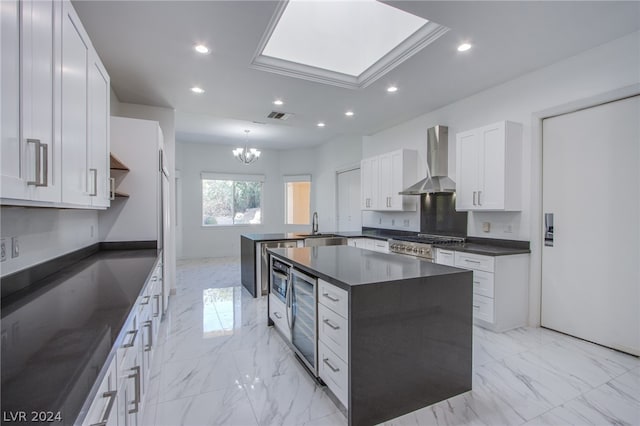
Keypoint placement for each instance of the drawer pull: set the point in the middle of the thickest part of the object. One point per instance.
(476, 306)
(149, 326)
(334, 369)
(133, 333)
(157, 311)
(472, 261)
(145, 300)
(107, 412)
(330, 297)
(476, 282)
(331, 324)
(136, 401)
(277, 315)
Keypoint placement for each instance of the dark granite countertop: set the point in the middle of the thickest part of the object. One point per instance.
(67, 324)
(476, 245)
(485, 249)
(348, 266)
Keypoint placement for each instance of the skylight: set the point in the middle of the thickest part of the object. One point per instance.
(346, 43)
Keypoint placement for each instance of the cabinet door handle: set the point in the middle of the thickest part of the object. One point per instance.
(479, 203)
(107, 412)
(40, 149)
(133, 333)
(149, 325)
(94, 185)
(136, 377)
(474, 198)
(277, 315)
(330, 297)
(331, 324)
(334, 369)
(157, 311)
(112, 187)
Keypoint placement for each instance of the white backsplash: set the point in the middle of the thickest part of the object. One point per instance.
(405, 221)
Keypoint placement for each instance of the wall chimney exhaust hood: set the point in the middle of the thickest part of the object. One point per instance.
(437, 165)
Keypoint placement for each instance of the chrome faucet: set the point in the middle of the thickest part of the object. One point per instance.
(314, 223)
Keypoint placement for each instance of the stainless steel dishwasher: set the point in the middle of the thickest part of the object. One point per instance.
(264, 261)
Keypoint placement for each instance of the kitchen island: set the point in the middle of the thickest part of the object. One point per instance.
(407, 329)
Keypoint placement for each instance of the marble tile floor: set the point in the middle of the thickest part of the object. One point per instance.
(217, 363)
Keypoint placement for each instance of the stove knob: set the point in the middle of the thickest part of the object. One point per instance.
(415, 249)
(422, 251)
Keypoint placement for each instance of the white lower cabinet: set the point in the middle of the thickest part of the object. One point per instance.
(373, 244)
(500, 289)
(333, 339)
(104, 409)
(445, 257)
(278, 314)
(119, 399)
(334, 372)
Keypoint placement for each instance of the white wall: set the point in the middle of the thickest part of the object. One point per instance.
(135, 143)
(331, 157)
(193, 159)
(166, 118)
(44, 234)
(606, 68)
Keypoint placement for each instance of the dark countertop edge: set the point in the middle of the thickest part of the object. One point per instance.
(342, 284)
(20, 283)
(494, 246)
(84, 410)
(315, 273)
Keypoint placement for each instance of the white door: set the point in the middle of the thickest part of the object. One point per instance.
(349, 214)
(591, 185)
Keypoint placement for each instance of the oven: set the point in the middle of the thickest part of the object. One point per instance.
(280, 276)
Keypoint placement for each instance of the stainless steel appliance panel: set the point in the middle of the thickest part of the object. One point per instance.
(280, 278)
(303, 303)
(264, 264)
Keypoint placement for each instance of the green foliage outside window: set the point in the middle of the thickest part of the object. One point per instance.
(228, 202)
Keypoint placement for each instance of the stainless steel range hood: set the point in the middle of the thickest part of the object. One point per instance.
(437, 165)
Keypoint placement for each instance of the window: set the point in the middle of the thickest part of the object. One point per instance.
(297, 199)
(231, 199)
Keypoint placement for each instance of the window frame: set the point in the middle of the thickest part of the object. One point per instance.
(286, 179)
(234, 178)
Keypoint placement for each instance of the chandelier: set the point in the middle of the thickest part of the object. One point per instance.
(246, 155)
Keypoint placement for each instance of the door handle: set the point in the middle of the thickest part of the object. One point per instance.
(41, 148)
(479, 203)
(136, 377)
(112, 187)
(474, 198)
(94, 185)
(548, 229)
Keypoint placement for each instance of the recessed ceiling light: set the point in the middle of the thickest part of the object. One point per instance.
(392, 89)
(321, 124)
(201, 48)
(197, 89)
(349, 113)
(278, 102)
(464, 47)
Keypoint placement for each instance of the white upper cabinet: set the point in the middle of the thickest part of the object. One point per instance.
(30, 152)
(384, 176)
(75, 68)
(489, 168)
(99, 98)
(55, 109)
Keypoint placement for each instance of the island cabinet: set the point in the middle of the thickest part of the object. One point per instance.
(333, 339)
(387, 343)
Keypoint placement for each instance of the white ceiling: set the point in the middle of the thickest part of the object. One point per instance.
(147, 48)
